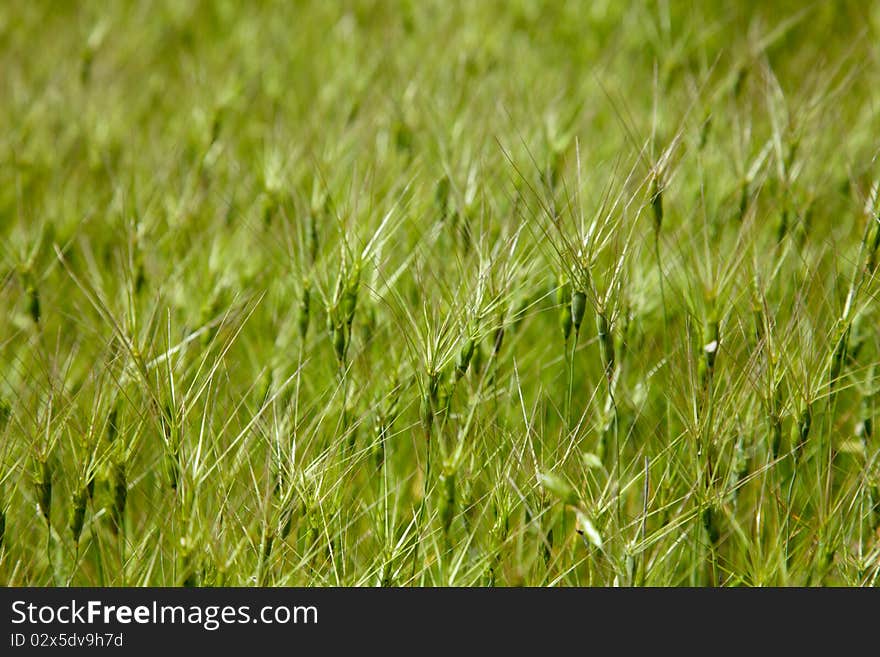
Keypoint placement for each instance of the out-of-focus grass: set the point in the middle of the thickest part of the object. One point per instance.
(286, 289)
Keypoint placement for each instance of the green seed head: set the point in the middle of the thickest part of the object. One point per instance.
(340, 342)
(563, 300)
(43, 481)
(312, 236)
(5, 411)
(578, 308)
(78, 512)
(757, 311)
(782, 226)
(113, 424)
(867, 413)
(119, 486)
(712, 524)
(745, 190)
(441, 197)
(90, 483)
(498, 336)
(711, 342)
(606, 343)
(477, 359)
(657, 203)
(305, 308)
(710, 349)
(559, 488)
(800, 430)
(838, 354)
(464, 357)
(33, 301)
(350, 294)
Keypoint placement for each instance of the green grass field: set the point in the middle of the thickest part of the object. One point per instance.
(434, 293)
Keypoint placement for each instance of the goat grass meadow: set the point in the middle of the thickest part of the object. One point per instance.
(439, 294)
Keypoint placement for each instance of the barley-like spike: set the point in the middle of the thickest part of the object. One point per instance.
(740, 80)
(606, 344)
(305, 308)
(78, 512)
(429, 402)
(267, 546)
(140, 276)
(465, 355)
(113, 424)
(838, 354)
(711, 346)
(350, 295)
(757, 312)
(172, 447)
(433, 385)
(312, 236)
(340, 343)
(800, 431)
(563, 300)
(477, 359)
(711, 339)
(43, 482)
(441, 197)
(657, 203)
(711, 523)
(427, 413)
(743, 200)
(776, 420)
(119, 485)
(286, 521)
(33, 302)
(559, 487)
(578, 308)
(5, 411)
(782, 227)
(621, 341)
(90, 483)
(548, 546)
(867, 423)
(381, 429)
(606, 434)
(498, 337)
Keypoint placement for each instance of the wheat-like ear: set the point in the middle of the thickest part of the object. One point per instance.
(43, 482)
(78, 511)
(119, 490)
